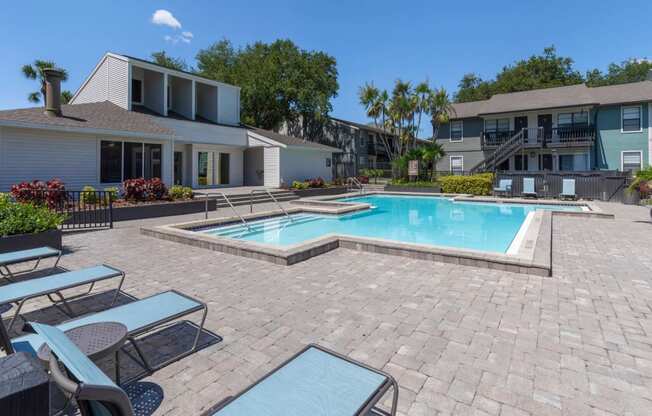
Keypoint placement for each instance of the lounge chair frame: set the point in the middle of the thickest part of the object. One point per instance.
(67, 310)
(506, 191)
(367, 408)
(11, 276)
(532, 194)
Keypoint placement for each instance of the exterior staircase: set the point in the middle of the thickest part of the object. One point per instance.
(281, 195)
(510, 147)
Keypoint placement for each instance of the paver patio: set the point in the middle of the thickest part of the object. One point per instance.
(460, 340)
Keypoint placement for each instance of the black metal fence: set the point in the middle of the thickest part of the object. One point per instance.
(83, 209)
(601, 185)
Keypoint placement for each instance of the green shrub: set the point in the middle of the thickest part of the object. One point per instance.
(180, 192)
(17, 218)
(480, 184)
(300, 185)
(405, 182)
(113, 192)
(88, 195)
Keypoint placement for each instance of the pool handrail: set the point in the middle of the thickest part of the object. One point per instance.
(226, 198)
(265, 190)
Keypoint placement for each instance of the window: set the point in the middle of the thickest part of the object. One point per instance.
(457, 131)
(328, 162)
(129, 160)
(497, 125)
(110, 162)
(632, 160)
(225, 166)
(205, 168)
(520, 162)
(457, 164)
(576, 119)
(574, 162)
(136, 91)
(631, 118)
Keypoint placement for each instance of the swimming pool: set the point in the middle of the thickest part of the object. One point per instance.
(410, 219)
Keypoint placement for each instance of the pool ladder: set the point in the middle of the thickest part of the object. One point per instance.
(356, 183)
(226, 198)
(278, 204)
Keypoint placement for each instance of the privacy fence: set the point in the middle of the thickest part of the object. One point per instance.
(600, 185)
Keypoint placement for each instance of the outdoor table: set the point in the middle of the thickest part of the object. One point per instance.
(96, 340)
(315, 381)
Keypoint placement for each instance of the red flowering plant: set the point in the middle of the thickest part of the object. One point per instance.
(51, 193)
(140, 189)
(316, 183)
(156, 189)
(363, 179)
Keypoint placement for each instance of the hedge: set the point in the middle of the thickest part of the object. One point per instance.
(480, 184)
(18, 218)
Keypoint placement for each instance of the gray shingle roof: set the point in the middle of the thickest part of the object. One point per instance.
(98, 116)
(292, 141)
(573, 95)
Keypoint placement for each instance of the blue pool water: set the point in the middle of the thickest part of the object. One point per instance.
(410, 219)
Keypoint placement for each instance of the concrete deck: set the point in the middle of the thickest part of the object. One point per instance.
(460, 340)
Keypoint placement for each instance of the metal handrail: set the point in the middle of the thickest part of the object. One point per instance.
(251, 201)
(356, 182)
(223, 195)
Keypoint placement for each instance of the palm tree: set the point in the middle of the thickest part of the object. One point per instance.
(431, 153)
(440, 109)
(35, 72)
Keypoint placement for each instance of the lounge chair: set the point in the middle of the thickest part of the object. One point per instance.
(313, 380)
(528, 188)
(54, 284)
(140, 317)
(568, 189)
(504, 187)
(15, 257)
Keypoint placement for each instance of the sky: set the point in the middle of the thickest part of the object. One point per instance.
(373, 41)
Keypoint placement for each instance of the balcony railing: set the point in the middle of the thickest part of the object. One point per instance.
(540, 137)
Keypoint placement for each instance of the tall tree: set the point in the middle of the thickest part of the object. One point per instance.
(280, 82)
(538, 71)
(35, 72)
(440, 109)
(163, 59)
(632, 70)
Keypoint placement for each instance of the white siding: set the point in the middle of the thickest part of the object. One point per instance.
(96, 88)
(228, 107)
(299, 164)
(119, 82)
(271, 162)
(181, 102)
(206, 101)
(192, 131)
(27, 154)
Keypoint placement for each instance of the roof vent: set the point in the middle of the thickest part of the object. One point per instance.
(53, 79)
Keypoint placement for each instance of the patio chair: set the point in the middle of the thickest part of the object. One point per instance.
(313, 380)
(568, 189)
(54, 284)
(15, 257)
(504, 187)
(528, 188)
(140, 317)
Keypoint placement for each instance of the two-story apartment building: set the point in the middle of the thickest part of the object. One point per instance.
(573, 128)
(132, 118)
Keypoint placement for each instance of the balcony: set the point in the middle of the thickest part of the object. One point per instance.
(535, 137)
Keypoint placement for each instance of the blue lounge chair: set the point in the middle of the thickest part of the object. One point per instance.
(54, 284)
(140, 317)
(568, 189)
(311, 382)
(528, 188)
(15, 257)
(504, 187)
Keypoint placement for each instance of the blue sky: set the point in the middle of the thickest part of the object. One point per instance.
(377, 41)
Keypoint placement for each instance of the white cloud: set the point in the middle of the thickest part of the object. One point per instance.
(185, 37)
(164, 17)
(188, 35)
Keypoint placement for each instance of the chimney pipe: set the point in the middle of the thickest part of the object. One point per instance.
(53, 79)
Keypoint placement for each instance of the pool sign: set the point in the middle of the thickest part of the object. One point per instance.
(413, 168)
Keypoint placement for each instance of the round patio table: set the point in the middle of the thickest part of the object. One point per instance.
(96, 340)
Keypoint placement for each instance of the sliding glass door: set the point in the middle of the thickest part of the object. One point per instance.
(205, 168)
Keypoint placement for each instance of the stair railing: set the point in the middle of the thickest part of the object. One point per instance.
(251, 201)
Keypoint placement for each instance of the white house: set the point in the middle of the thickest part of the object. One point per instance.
(132, 118)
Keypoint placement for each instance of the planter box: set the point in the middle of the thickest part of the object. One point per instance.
(420, 189)
(163, 209)
(319, 191)
(50, 238)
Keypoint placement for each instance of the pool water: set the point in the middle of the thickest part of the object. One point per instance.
(409, 219)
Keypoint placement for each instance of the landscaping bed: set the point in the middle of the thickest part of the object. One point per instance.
(335, 190)
(126, 210)
(50, 238)
(407, 188)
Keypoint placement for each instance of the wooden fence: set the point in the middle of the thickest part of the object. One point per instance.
(600, 185)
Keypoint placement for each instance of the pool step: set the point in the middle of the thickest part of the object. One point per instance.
(257, 198)
(264, 225)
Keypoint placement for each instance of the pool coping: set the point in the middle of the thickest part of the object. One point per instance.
(533, 255)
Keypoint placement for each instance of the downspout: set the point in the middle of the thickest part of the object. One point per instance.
(597, 133)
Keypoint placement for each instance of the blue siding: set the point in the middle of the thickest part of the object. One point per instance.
(610, 141)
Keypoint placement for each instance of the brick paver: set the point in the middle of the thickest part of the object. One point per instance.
(459, 340)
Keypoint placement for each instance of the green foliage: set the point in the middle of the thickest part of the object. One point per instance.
(35, 72)
(419, 184)
(163, 59)
(538, 71)
(642, 182)
(16, 218)
(372, 173)
(88, 195)
(280, 82)
(112, 191)
(180, 192)
(300, 185)
(627, 71)
(480, 184)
